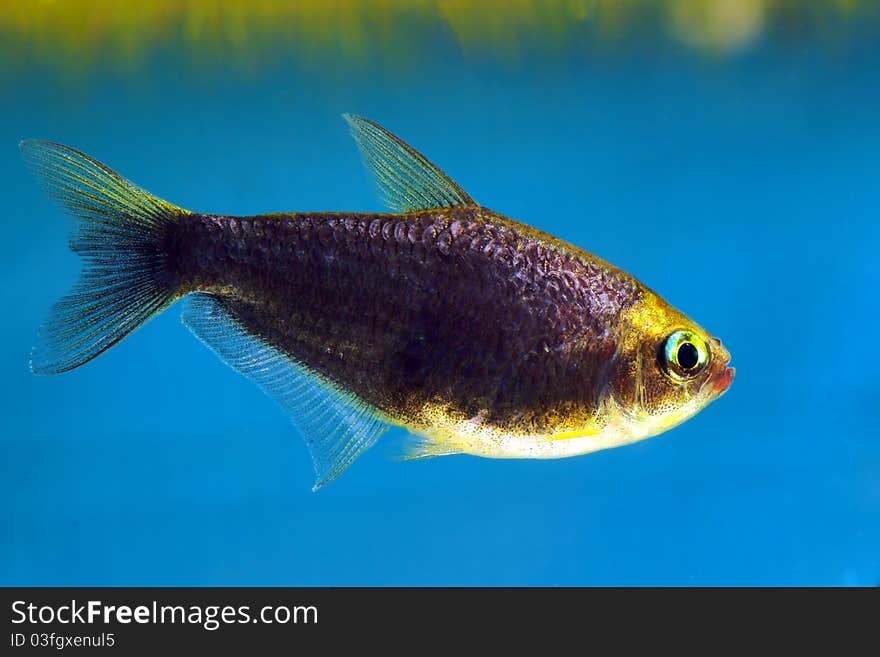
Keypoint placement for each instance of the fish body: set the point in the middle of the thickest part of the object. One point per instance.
(478, 333)
(436, 318)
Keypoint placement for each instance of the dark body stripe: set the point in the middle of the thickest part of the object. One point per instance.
(457, 306)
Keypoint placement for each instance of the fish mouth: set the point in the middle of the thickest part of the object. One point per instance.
(722, 383)
(718, 383)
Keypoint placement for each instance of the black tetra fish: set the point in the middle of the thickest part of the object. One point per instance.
(479, 334)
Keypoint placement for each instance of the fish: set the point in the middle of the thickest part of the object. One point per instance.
(477, 333)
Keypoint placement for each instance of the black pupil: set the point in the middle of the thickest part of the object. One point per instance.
(688, 356)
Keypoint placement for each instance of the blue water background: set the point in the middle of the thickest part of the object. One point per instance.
(745, 189)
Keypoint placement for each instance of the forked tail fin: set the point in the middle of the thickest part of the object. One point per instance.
(119, 233)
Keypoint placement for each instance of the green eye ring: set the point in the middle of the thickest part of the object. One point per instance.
(684, 354)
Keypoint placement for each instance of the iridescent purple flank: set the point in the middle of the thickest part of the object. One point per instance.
(458, 304)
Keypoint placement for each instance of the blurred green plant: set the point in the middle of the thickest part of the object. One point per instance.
(80, 35)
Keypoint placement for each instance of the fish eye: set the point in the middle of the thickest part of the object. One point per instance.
(684, 354)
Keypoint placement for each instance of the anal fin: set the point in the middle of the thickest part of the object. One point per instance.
(336, 426)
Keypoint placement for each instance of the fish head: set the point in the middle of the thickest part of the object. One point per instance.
(667, 368)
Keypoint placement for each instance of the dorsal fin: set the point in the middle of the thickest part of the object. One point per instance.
(406, 178)
(336, 426)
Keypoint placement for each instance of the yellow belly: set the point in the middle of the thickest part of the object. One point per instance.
(612, 427)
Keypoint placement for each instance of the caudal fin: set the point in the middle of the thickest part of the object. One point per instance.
(119, 232)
